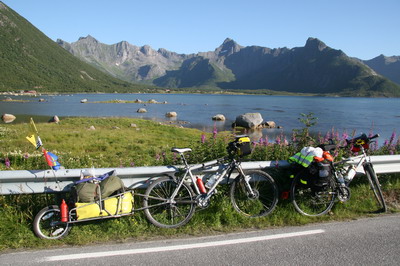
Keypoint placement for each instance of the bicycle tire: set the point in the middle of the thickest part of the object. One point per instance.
(47, 224)
(310, 202)
(163, 213)
(265, 199)
(375, 186)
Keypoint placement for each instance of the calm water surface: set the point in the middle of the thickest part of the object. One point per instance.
(379, 115)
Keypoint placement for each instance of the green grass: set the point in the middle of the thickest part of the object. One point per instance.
(115, 143)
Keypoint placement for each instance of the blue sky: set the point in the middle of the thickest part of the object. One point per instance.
(360, 28)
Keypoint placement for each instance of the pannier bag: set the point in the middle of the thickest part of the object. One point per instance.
(86, 192)
(317, 166)
(358, 142)
(111, 184)
(121, 204)
(241, 146)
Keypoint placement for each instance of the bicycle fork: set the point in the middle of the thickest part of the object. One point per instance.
(246, 180)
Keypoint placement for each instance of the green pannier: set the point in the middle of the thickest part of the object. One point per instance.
(86, 192)
(111, 184)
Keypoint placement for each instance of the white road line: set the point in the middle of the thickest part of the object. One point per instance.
(179, 247)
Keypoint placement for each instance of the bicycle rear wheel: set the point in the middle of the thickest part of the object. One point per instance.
(47, 224)
(309, 200)
(375, 186)
(265, 197)
(164, 212)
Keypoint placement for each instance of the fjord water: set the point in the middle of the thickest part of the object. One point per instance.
(376, 115)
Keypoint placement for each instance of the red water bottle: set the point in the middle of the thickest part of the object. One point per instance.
(64, 211)
(200, 184)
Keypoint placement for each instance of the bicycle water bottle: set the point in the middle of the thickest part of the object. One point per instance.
(211, 181)
(200, 184)
(340, 179)
(351, 173)
(64, 211)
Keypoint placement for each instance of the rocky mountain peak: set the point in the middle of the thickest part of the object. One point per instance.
(89, 39)
(228, 47)
(146, 49)
(315, 44)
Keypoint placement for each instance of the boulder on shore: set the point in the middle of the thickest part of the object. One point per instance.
(219, 117)
(54, 119)
(249, 120)
(8, 118)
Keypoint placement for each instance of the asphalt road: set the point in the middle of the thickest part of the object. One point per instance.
(370, 241)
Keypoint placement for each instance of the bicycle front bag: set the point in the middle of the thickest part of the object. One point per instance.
(243, 144)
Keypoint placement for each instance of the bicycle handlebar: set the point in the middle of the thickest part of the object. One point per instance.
(374, 137)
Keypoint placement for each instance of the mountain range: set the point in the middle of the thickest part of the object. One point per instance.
(314, 68)
(30, 60)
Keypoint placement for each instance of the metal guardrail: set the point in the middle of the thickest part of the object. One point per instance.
(48, 181)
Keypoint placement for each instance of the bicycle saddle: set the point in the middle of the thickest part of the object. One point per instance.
(181, 150)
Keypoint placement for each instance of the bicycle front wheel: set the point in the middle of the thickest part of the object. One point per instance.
(310, 200)
(375, 186)
(263, 199)
(165, 212)
(47, 224)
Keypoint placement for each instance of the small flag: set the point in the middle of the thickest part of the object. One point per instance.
(33, 136)
(51, 160)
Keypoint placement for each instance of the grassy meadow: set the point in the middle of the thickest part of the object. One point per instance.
(126, 142)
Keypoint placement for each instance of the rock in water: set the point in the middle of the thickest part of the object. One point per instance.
(249, 120)
(171, 114)
(218, 117)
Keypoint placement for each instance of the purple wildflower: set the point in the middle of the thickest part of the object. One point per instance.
(386, 143)
(327, 136)
(26, 155)
(7, 163)
(285, 142)
(215, 131)
(392, 137)
(203, 138)
(345, 136)
(132, 164)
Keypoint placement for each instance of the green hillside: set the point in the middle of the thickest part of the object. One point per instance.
(29, 60)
